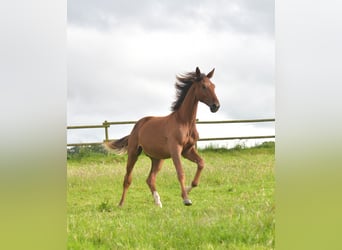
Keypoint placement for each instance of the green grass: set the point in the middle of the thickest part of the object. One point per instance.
(233, 207)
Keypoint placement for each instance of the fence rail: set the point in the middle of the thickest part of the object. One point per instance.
(107, 124)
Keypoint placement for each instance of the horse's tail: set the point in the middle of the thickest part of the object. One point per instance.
(118, 146)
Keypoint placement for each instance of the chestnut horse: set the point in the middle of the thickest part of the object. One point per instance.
(170, 136)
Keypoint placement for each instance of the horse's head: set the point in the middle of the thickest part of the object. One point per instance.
(205, 90)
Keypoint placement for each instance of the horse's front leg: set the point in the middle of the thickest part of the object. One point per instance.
(176, 158)
(193, 156)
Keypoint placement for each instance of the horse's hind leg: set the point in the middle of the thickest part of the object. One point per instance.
(132, 159)
(151, 180)
(193, 156)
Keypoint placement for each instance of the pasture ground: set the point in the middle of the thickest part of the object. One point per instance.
(233, 207)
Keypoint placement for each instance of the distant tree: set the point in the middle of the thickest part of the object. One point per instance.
(81, 151)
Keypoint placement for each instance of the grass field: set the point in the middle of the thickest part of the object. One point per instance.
(233, 207)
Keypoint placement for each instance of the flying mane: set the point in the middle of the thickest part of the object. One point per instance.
(183, 84)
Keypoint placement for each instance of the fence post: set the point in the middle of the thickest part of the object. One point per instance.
(106, 126)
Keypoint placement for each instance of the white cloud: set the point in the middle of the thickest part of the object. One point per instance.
(236, 15)
(123, 66)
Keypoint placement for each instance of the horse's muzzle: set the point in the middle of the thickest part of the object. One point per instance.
(214, 107)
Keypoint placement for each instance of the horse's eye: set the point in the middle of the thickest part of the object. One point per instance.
(204, 87)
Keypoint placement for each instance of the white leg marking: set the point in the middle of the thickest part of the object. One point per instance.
(157, 199)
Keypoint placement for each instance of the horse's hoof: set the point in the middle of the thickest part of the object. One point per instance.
(187, 202)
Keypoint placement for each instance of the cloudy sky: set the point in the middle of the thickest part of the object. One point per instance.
(123, 57)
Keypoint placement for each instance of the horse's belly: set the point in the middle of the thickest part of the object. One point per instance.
(155, 146)
(156, 151)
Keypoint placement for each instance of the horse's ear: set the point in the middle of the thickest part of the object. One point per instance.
(198, 72)
(211, 73)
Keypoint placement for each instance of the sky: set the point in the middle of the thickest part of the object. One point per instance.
(123, 57)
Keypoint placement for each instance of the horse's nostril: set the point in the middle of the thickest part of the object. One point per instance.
(214, 107)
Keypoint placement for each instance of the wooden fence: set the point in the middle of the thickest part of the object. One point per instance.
(107, 124)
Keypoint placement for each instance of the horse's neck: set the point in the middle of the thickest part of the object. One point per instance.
(188, 110)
